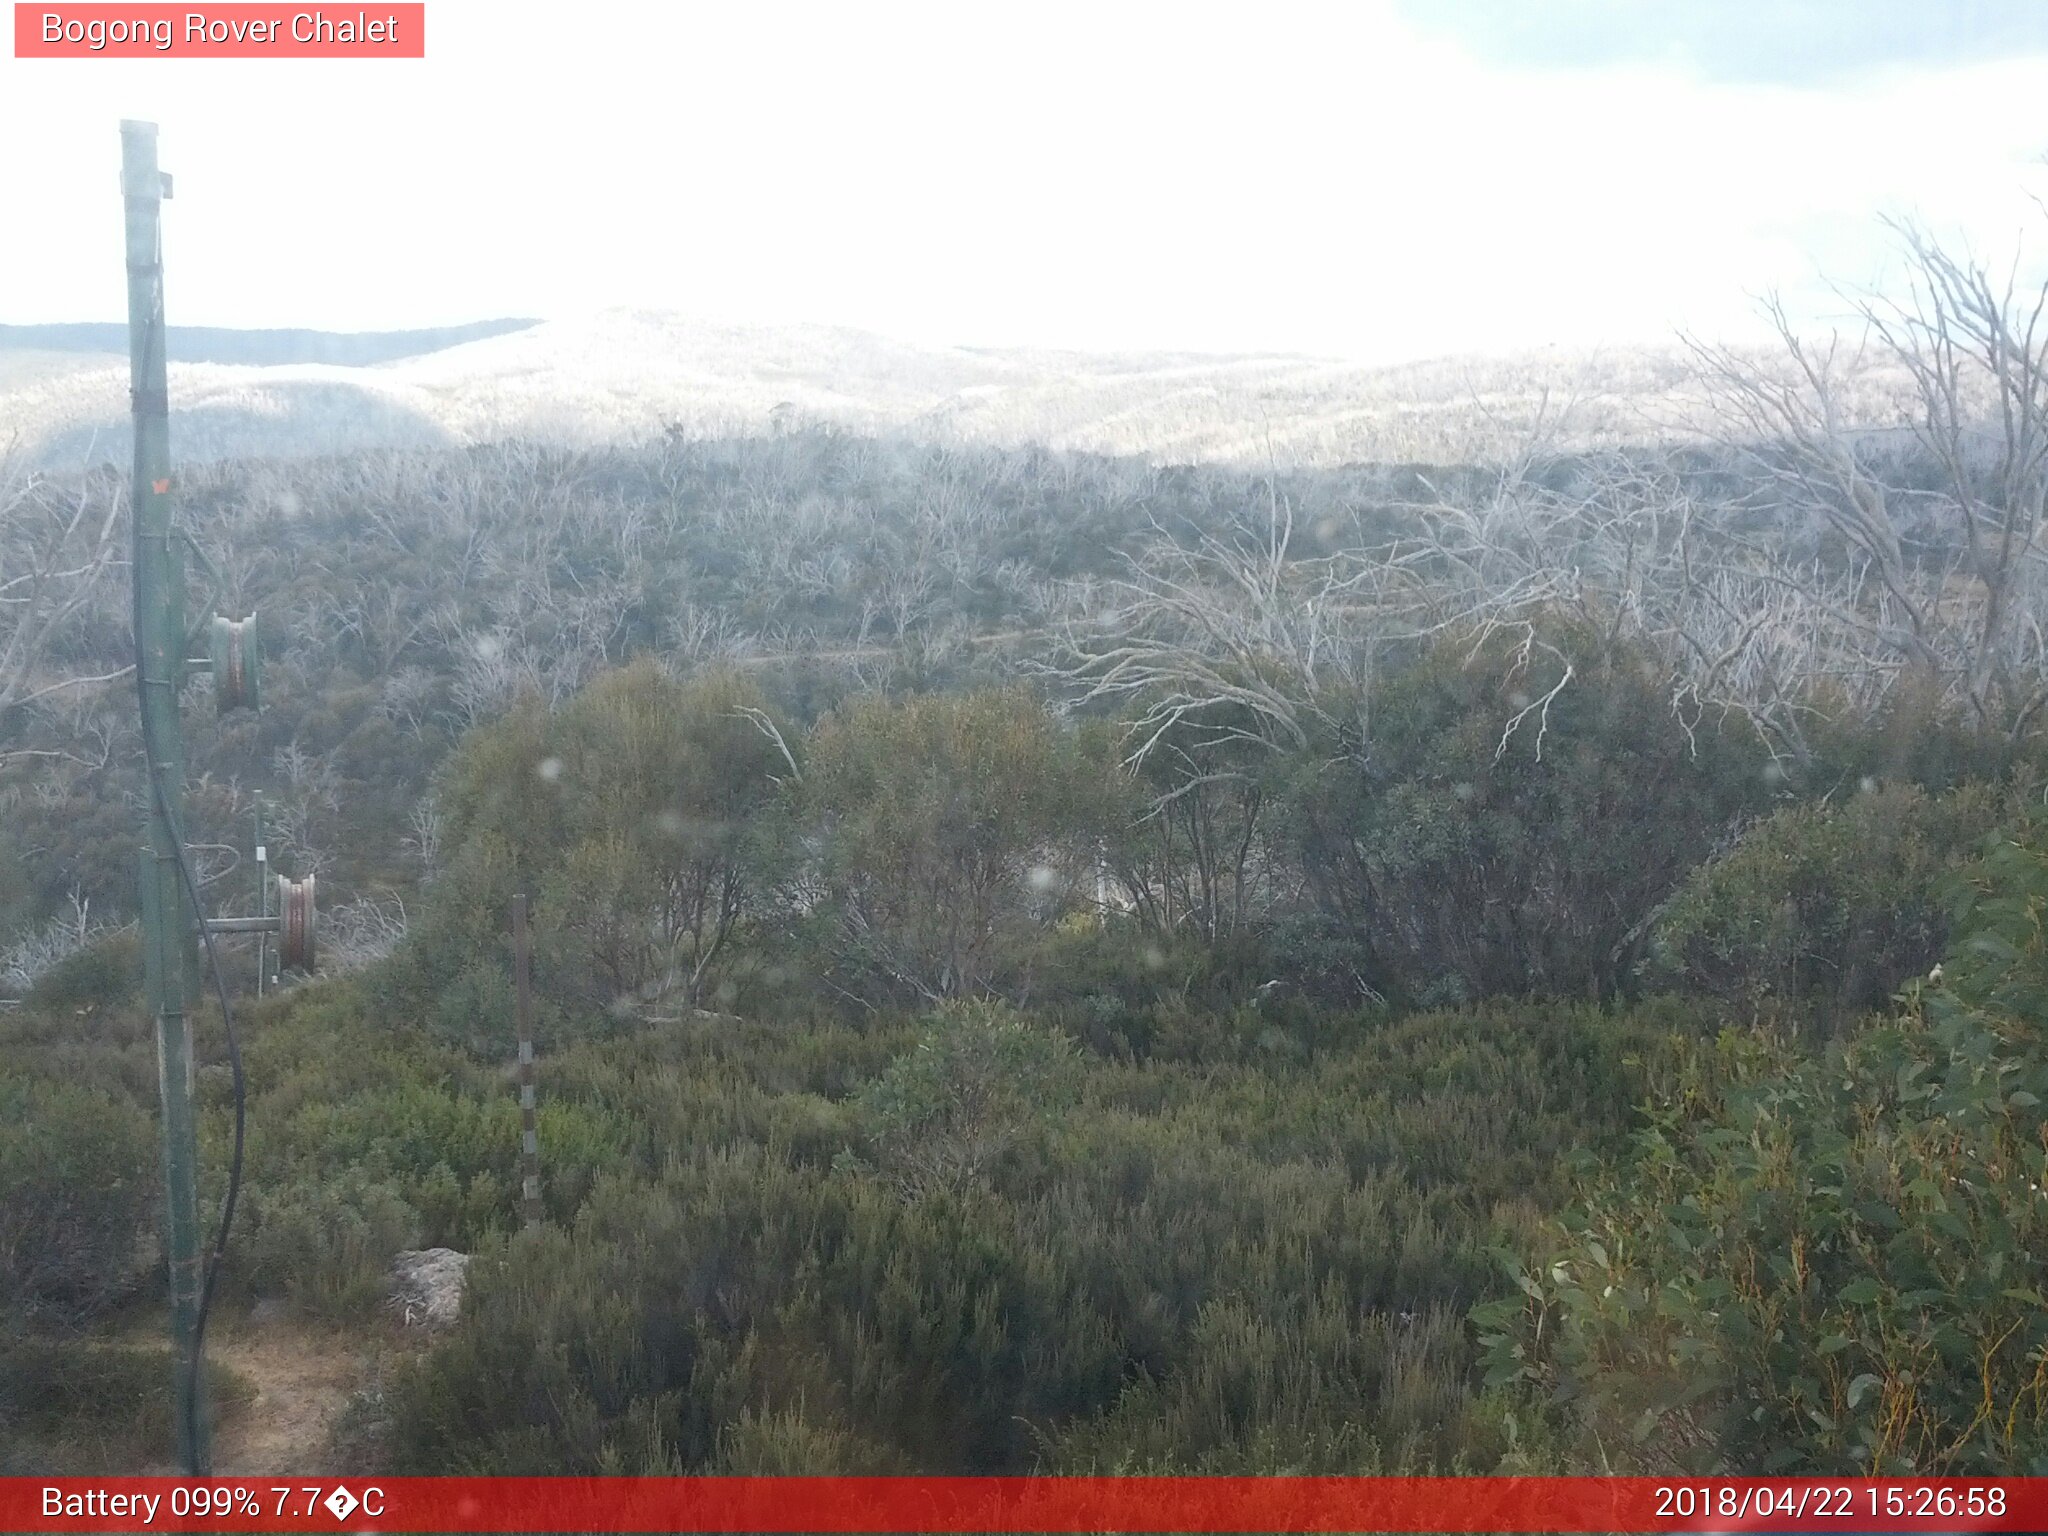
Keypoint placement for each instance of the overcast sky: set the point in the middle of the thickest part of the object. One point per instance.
(1377, 181)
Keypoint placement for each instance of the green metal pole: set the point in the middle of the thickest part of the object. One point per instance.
(169, 922)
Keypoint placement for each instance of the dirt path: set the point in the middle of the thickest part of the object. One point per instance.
(304, 1378)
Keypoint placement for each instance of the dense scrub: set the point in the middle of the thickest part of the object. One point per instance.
(1830, 1263)
(957, 1240)
(92, 1408)
(77, 1170)
(954, 1061)
(1823, 910)
(405, 598)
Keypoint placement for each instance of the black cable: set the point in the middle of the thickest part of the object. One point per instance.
(151, 763)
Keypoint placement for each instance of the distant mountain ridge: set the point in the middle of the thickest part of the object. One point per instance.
(261, 348)
(628, 375)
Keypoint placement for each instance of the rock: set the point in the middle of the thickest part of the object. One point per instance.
(426, 1286)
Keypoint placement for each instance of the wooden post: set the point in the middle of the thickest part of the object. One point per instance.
(529, 1121)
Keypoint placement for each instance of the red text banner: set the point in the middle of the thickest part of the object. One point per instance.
(233, 31)
(1850, 1506)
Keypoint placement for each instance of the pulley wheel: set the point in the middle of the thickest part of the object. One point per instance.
(295, 923)
(237, 670)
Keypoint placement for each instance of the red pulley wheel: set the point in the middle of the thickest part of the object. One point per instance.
(295, 951)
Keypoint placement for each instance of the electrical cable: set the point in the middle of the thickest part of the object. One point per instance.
(151, 762)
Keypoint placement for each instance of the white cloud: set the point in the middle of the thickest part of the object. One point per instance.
(1308, 178)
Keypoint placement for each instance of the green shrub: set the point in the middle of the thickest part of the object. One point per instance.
(646, 819)
(1468, 860)
(784, 1443)
(72, 1407)
(326, 1247)
(1824, 1266)
(979, 1079)
(103, 976)
(78, 1188)
(951, 828)
(1831, 907)
(1221, 1265)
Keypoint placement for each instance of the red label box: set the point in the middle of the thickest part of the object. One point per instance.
(234, 31)
(1016, 1505)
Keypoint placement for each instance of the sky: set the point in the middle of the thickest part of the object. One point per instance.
(1377, 181)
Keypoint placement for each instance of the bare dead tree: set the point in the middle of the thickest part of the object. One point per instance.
(422, 842)
(58, 548)
(407, 699)
(1950, 577)
(695, 634)
(360, 932)
(1222, 640)
(1623, 551)
(308, 798)
(1222, 654)
(30, 954)
(1231, 635)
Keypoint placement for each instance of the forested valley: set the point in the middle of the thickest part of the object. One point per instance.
(1074, 964)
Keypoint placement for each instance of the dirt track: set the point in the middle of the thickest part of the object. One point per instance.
(304, 1378)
